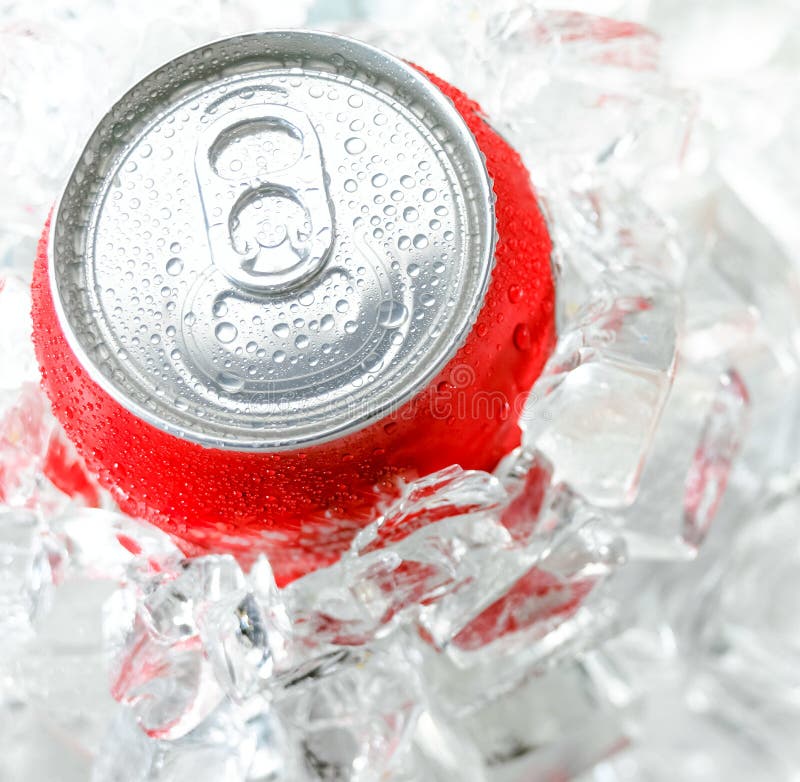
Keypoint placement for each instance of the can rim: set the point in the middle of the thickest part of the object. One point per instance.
(421, 381)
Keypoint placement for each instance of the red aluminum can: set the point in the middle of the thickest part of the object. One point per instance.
(288, 273)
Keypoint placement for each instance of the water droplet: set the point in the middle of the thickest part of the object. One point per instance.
(379, 180)
(355, 145)
(410, 214)
(413, 270)
(342, 305)
(372, 363)
(350, 327)
(356, 101)
(306, 298)
(392, 314)
(189, 318)
(145, 150)
(281, 330)
(404, 242)
(420, 241)
(427, 300)
(279, 357)
(428, 194)
(174, 266)
(251, 347)
(230, 382)
(522, 337)
(515, 294)
(175, 248)
(350, 185)
(407, 181)
(327, 322)
(219, 309)
(301, 342)
(226, 332)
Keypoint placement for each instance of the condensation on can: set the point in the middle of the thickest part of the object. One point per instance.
(273, 290)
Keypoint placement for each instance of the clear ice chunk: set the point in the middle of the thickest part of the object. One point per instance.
(594, 410)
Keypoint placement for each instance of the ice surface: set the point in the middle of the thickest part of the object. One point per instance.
(578, 614)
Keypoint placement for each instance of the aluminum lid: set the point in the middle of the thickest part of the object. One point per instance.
(273, 240)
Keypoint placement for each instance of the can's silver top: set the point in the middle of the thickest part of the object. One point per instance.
(273, 240)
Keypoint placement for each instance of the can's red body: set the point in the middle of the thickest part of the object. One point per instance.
(303, 507)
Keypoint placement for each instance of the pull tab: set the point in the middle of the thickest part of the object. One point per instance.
(262, 185)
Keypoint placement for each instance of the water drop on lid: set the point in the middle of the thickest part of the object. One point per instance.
(350, 327)
(175, 247)
(281, 330)
(350, 185)
(413, 270)
(379, 180)
(410, 214)
(230, 382)
(326, 324)
(342, 305)
(355, 145)
(392, 314)
(427, 300)
(420, 241)
(189, 318)
(404, 242)
(407, 181)
(356, 101)
(220, 308)
(226, 332)
(279, 357)
(428, 194)
(372, 363)
(301, 342)
(306, 298)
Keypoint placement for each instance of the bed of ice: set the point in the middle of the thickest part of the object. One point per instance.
(618, 602)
